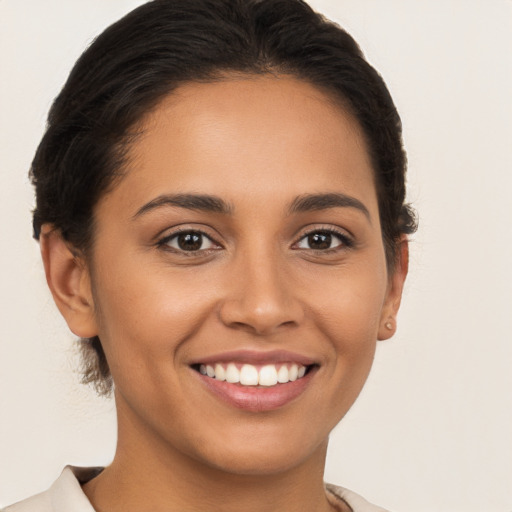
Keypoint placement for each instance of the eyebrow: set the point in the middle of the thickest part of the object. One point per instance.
(312, 202)
(200, 202)
(214, 204)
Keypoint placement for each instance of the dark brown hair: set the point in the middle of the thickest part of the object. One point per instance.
(164, 43)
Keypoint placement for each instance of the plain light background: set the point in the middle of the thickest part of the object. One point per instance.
(432, 431)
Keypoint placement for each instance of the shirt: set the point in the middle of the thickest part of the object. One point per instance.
(66, 495)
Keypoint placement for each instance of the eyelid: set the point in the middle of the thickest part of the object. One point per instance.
(347, 240)
(163, 241)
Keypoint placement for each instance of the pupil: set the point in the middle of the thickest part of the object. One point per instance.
(320, 240)
(190, 241)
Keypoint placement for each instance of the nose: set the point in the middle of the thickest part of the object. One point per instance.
(261, 297)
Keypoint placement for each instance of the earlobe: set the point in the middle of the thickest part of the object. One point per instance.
(387, 325)
(69, 282)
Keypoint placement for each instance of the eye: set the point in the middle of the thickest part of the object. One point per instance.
(322, 240)
(188, 241)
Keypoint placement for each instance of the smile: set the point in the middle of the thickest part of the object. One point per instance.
(267, 375)
(255, 381)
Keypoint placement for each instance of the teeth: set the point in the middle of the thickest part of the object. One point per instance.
(268, 375)
(249, 375)
(232, 374)
(220, 373)
(283, 375)
(293, 373)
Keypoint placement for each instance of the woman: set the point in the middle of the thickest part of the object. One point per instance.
(220, 207)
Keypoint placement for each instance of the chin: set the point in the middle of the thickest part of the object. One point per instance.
(251, 456)
(265, 464)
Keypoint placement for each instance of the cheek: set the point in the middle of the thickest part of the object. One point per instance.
(144, 316)
(348, 303)
(347, 312)
(351, 326)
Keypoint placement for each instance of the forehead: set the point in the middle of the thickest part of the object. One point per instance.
(251, 134)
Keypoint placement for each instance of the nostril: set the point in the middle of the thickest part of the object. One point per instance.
(260, 318)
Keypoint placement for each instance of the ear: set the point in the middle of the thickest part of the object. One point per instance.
(69, 281)
(391, 306)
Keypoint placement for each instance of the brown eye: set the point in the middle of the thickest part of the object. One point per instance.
(189, 241)
(322, 240)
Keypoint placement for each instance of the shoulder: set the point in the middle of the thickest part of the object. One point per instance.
(354, 501)
(64, 495)
(38, 503)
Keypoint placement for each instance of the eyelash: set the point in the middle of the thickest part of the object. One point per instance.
(164, 242)
(345, 241)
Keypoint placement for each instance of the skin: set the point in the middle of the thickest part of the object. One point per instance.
(258, 144)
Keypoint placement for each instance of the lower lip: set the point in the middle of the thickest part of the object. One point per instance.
(257, 398)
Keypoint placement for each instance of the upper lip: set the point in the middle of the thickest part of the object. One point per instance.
(256, 357)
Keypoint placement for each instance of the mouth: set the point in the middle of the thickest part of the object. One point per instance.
(268, 375)
(256, 382)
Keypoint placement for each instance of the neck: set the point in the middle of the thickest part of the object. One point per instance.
(149, 475)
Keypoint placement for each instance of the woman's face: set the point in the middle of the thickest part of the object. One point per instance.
(243, 241)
